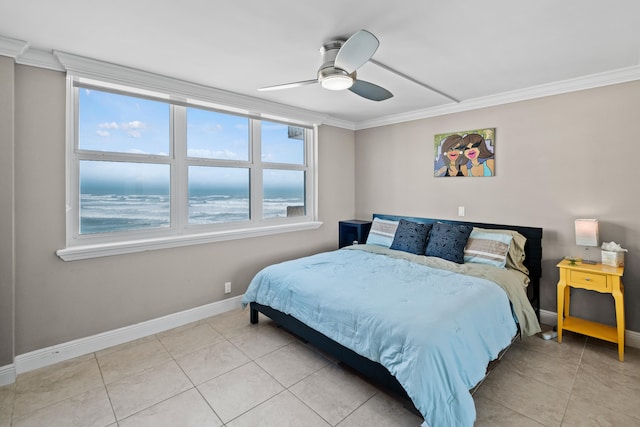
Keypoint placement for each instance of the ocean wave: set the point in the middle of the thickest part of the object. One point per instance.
(107, 213)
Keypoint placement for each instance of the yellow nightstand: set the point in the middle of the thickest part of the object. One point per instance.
(593, 277)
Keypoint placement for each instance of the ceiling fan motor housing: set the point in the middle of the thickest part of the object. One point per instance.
(328, 75)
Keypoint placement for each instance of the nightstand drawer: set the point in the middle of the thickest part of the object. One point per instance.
(597, 282)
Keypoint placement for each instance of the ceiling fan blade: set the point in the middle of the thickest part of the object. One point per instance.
(289, 85)
(356, 51)
(370, 91)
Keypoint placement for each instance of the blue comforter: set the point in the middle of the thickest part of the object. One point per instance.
(434, 330)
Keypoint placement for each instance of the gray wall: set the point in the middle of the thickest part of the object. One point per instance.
(558, 158)
(6, 211)
(59, 301)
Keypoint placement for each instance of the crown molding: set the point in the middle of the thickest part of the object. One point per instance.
(12, 47)
(24, 54)
(621, 75)
(39, 58)
(93, 69)
(103, 71)
(344, 124)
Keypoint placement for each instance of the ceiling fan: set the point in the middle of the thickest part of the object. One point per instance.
(340, 60)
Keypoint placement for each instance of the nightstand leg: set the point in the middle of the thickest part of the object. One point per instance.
(567, 300)
(619, 299)
(562, 288)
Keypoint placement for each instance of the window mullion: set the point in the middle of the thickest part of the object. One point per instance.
(121, 157)
(256, 188)
(311, 173)
(73, 168)
(180, 170)
(284, 166)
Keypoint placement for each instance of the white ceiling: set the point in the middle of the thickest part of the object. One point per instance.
(468, 49)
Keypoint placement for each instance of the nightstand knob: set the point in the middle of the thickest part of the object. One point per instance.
(588, 279)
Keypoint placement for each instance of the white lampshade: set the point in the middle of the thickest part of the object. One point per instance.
(587, 232)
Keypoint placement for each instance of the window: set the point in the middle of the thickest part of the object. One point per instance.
(123, 196)
(283, 176)
(146, 168)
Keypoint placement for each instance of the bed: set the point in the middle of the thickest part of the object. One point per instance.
(424, 327)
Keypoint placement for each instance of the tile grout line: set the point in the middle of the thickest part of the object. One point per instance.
(142, 372)
(359, 406)
(51, 404)
(104, 384)
(252, 360)
(573, 383)
(310, 408)
(287, 389)
(194, 386)
(13, 404)
(189, 378)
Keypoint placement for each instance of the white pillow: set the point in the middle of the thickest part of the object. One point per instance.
(382, 232)
(487, 248)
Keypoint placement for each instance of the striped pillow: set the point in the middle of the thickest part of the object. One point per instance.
(382, 232)
(487, 248)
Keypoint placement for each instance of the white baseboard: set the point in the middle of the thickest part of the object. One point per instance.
(631, 338)
(7, 374)
(65, 351)
(58, 353)
(548, 317)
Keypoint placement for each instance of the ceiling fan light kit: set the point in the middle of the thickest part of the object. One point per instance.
(335, 79)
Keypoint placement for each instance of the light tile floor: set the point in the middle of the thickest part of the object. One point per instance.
(222, 371)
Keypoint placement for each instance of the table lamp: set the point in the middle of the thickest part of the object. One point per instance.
(587, 235)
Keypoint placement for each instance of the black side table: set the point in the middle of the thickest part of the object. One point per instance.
(353, 230)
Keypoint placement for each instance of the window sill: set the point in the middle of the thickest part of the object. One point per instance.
(74, 253)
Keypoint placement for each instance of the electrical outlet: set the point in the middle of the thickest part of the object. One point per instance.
(460, 210)
(227, 287)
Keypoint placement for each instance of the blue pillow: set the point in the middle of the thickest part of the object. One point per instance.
(411, 237)
(447, 241)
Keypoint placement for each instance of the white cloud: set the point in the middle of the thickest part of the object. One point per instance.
(133, 128)
(136, 124)
(112, 125)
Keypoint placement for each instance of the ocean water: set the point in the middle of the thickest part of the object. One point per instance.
(112, 212)
(105, 213)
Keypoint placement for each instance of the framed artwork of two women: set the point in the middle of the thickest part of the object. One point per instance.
(466, 153)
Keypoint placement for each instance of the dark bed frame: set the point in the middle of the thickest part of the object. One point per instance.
(373, 370)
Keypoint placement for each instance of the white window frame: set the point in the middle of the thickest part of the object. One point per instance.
(180, 232)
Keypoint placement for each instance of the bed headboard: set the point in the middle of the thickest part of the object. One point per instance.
(532, 248)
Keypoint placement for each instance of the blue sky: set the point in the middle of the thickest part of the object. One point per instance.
(119, 123)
